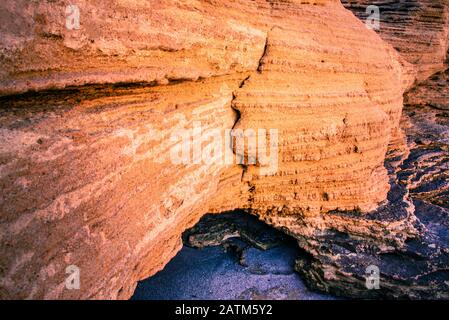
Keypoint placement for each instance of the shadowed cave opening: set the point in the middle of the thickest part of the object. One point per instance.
(230, 256)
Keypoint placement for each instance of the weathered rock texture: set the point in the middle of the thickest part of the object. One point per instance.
(85, 180)
(124, 41)
(417, 269)
(432, 93)
(418, 29)
(426, 122)
(85, 171)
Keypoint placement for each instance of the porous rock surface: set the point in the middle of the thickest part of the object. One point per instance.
(418, 29)
(417, 269)
(85, 168)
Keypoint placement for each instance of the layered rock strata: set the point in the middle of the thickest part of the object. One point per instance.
(433, 93)
(418, 268)
(418, 29)
(85, 181)
(87, 172)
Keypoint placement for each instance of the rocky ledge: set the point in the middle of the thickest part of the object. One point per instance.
(95, 173)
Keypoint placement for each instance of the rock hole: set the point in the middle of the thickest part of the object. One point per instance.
(231, 256)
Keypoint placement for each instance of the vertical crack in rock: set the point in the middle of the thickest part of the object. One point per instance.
(235, 108)
(264, 54)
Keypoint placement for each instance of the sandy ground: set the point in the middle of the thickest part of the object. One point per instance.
(217, 273)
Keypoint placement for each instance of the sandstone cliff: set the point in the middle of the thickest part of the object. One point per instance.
(418, 29)
(85, 168)
(417, 269)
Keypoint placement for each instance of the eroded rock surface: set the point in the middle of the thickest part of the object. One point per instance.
(215, 230)
(418, 29)
(85, 182)
(417, 268)
(433, 93)
(87, 174)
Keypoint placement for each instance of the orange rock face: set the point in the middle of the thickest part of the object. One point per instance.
(418, 29)
(87, 173)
